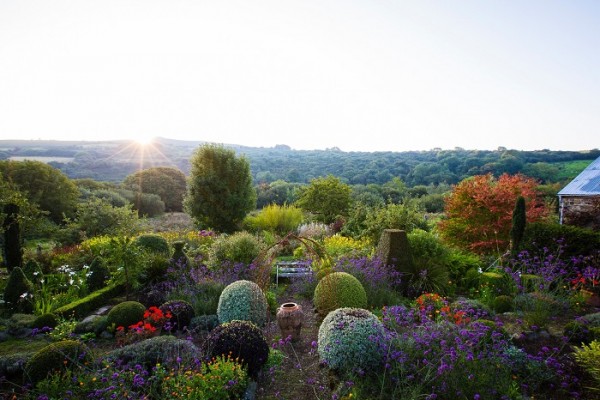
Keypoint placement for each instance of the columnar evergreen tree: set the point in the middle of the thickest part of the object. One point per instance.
(519, 220)
(220, 191)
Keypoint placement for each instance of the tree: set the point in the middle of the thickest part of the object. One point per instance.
(166, 182)
(13, 251)
(479, 211)
(220, 191)
(42, 185)
(519, 220)
(326, 197)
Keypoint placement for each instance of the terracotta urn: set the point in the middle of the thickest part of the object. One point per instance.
(289, 319)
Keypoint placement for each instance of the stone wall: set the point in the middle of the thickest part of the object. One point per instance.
(581, 211)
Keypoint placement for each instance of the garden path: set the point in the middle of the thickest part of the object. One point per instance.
(299, 376)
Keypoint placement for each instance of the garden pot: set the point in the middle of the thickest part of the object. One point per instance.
(289, 319)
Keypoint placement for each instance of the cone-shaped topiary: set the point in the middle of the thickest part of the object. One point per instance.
(350, 340)
(153, 243)
(59, 356)
(182, 313)
(339, 289)
(98, 275)
(179, 258)
(126, 313)
(242, 300)
(243, 340)
(18, 292)
(33, 271)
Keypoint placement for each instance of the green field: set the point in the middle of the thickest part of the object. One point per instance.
(570, 169)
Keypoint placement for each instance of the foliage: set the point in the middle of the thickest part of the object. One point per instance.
(166, 350)
(167, 183)
(241, 247)
(43, 320)
(242, 300)
(146, 204)
(222, 378)
(182, 313)
(340, 246)
(406, 217)
(349, 340)
(588, 356)
(153, 243)
(519, 221)
(154, 320)
(12, 249)
(220, 191)
(242, 340)
(503, 303)
(275, 218)
(126, 313)
(18, 292)
(314, 230)
(98, 275)
(337, 290)
(96, 217)
(326, 197)
(430, 260)
(85, 305)
(42, 185)
(59, 356)
(576, 241)
(64, 330)
(479, 211)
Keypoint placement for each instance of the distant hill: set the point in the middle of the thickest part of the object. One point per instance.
(113, 160)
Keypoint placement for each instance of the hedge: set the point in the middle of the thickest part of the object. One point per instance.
(84, 306)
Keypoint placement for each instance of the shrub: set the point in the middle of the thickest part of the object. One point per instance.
(182, 312)
(82, 307)
(155, 269)
(243, 341)
(43, 320)
(499, 282)
(339, 289)
(126, 313)
(220, 379)
(207, 297)
(242, 300)
(503, 303)
(18, 292)
(241, 247)
(349, 340)
(59, 356)
(166, 350)
(204, 322)
(340, 246)
(275, 218)
(179, 258)
(153, 243)
(588, 356)
(33, 271)
(98, 275)
(579, 241)
(577, 332)
(475, 309)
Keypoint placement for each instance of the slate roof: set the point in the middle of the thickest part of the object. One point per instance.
(587, 183)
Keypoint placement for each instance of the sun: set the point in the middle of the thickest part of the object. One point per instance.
(143, 140)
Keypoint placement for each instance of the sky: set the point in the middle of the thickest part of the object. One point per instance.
(370, 75)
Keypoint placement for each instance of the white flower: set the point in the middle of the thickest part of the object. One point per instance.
(36, 273)
(24, 295)
(71, 281)
(86, 267)
(480, 270)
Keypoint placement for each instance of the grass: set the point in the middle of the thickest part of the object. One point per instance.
(570, 169)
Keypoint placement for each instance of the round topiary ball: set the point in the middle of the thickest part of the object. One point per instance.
(243, 340)
(182, 313)
(59, 356)
(242, 300)
(339, 289)
(43, 320)
(126, 313)
(503, 303)
(153, 243)
(350, 340)
(167, 350)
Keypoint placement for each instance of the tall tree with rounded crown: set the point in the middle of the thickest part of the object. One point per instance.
(220, 191)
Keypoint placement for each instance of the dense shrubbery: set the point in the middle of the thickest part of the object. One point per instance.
(274, 218)
(59, 356)
(126, 313)
(241, 247)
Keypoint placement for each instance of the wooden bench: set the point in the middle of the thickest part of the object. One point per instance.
(291, 269)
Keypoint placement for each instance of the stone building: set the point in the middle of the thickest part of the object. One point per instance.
(579, 201)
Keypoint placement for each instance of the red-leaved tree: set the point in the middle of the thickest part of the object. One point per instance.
(479, 211)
